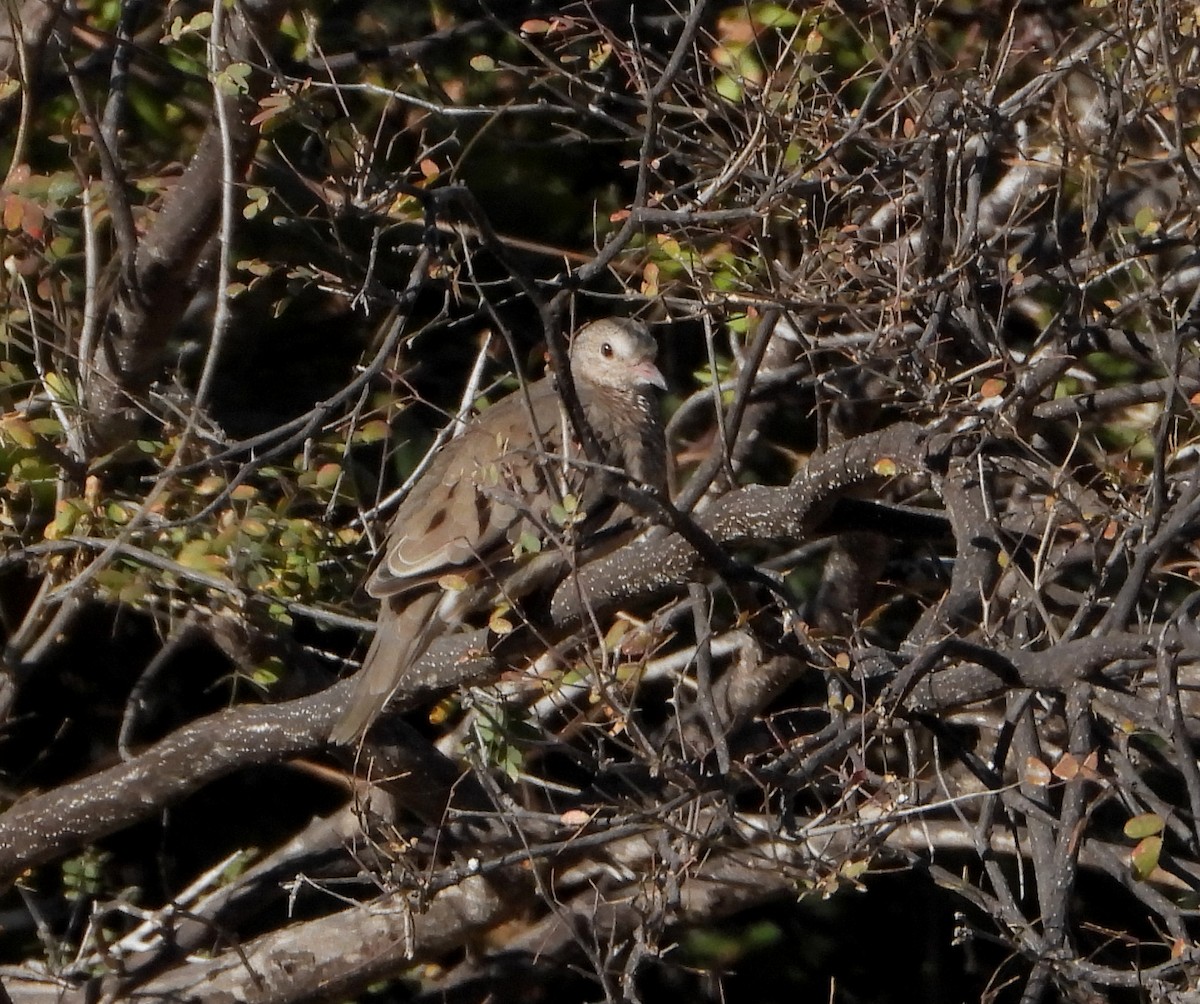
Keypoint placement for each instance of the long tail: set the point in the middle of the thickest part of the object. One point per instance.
(401, 637)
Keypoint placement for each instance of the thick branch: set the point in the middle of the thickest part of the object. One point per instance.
(658, 565)
(43, 827)
(156, 291)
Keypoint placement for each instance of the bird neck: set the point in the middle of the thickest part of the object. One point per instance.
(632, 435)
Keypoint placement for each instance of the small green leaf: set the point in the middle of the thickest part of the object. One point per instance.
(267, 674)
(210, 485)
(527, 543)
(373, 432)
(773, 15)
(620, 628)
(854, 870)
(1146, 221)
(257, 199)
(1145, 825)
(195, 554)
(63, 186)
(728, 88)
(1144, 858)
(511, 762)
(278, 612)
(11, 373)
(47, 426)
(200, 22)
(499, 622)
(16, 430)
(328, 475)
(234, 79)
(84, 874)
(61, 388)
(65, 518)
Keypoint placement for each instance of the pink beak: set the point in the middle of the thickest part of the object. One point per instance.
(646, 372)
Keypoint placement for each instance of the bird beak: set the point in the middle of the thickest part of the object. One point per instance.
(646, 372)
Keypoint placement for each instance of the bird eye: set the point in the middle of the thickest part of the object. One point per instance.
(606, 350)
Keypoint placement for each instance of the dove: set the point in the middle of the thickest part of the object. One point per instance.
(499, 480)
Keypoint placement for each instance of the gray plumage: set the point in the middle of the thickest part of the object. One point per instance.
(500, 479)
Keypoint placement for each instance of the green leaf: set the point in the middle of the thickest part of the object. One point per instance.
(63, 186)
(62, 388)
(373, 432)
(65, 518)
(773, 15)
(728, 88)
(267, 674)
(1145, 825)
(527, 543)
(195, 554)
(234, 79)
(511, 761)
(599, 55)
(253, 527)
(1144, 858)
(200, 22)
(16, 430)
(328, 475)
(278, 612)
(1146, 221)
(499, 621)
(11, 373)
(257, 199)
(49, 427)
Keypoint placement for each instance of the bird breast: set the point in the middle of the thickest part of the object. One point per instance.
(630, 433)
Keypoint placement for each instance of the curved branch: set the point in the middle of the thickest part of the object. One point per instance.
(658, 565)
(155, 289)
(43, 827)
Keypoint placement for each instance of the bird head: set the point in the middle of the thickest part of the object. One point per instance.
(617, 354)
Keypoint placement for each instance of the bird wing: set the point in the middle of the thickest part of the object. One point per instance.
(461, 511)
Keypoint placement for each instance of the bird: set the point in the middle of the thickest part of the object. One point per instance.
(498, 481)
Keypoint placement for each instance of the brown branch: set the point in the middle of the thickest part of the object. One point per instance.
(339, 956)
(157, 287)
(43, 827)
(756, 514)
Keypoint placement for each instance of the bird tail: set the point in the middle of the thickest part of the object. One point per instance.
(400, 640)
